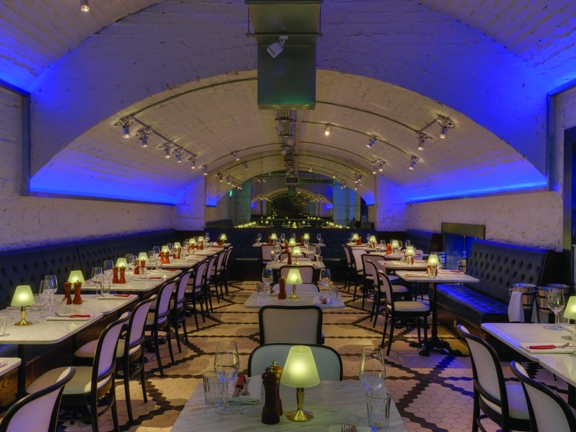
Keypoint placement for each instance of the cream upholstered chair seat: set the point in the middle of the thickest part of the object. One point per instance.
(410, 306)
(80, 383)
(89, 349)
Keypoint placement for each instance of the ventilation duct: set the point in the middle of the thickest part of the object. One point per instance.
(287, 76)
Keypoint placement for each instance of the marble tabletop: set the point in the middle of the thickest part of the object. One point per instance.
(137, 285)
(184, 263)
(275, 265)
(400, 265)
(444, 276)
(8, 363)
(208, 252)
(331, 402)
(306, 299)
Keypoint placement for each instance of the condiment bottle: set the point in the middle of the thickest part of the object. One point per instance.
(282, 292)
(279, 370)
(271, 381)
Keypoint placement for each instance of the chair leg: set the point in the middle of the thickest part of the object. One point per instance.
(157, 348)
(94, 412)
(391, 335)
(169, 342)
(126, 365)
(385, 328)
(418, 327)
(143, 377)
(185, 329)
(114, 408)
(175, 325)
(377, 312)
(475, 412)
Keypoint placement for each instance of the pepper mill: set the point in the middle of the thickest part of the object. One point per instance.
(67, 288)
(115, 278)
(289, 258)
(282, 292)
(122, 275)
(77, 298)
(279, 370)
(136, 269)
(271, 381)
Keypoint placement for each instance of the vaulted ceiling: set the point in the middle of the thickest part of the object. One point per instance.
(385, 69)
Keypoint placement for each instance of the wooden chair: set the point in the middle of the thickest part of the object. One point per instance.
(158, 321)
(37, 411)
(401, 310)
(547, 409)
(399, 292)
(290, 324)
(89, 385)
(503, 403)
(177, 307)
(327, 360)
(195, 292)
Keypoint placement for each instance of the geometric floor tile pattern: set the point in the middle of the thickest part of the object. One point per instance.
(432, 393)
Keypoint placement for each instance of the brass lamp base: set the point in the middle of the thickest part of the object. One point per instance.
(23, 321)
(293, 296)
(300, 415)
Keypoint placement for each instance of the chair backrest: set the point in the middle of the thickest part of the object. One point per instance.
(200, 273)
(265, 252)
(488, 376)
(181, 290)
(347, 253)
(547, 409)
(385, 285)
(37, 411)
(228, 253)
(135, 333)
(369, 267)
(327, 360)
(306, 272)
(164, 297)
(357, 254)
(220, 262)
(304, 287)
(290, 324)
(210, 267)
(105, 356)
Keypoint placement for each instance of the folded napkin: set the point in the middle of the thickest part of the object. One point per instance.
(536, 348)
(415, 274)
(155, 277)
(115, 297)
(253, 388)
(515, 307)
(71, 317)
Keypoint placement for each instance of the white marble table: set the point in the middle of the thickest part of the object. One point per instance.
(184, 263)
(275, 265)
(331, 402)
(9, 364)
(387, 265)
(445, 276)
(561, 365)
(208, 252)
(306, 299)
(136, 285)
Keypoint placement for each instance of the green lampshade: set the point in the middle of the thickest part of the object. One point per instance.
(395, 244)
(433, 260)
(294, 277)
(77, 276)
(306, 236)
(142, 256)
(372, 239)
(354, 236)
(300, 369)
(273, 236)
(192, 241)
(292, 242)
(164, 249)
(296, 251)
(223, 237)
(570, 311)
(410, 251)
(201, 239)
(121, 262)
(177, 245)
(22, 296)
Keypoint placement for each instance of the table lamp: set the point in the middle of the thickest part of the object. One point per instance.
(273, 237)
(433, 264)
(395, 245)
(372, 239)
(77, 276)
(201, 239)
(142, 256)
(296, 253)
(355, 237)
(292, 242)
(177, 245)
(23, 297)
(306, 236)
(410, 253)
(570, 311)
(121, 262)
(223, 237)
(294, 278)
(300, 371)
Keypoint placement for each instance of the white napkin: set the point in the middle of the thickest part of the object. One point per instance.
(556, 350)
(66, 318)
(114, 297)
(515, 307)
(254, 395)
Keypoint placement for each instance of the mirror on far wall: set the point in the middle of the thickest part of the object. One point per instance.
(458, 238)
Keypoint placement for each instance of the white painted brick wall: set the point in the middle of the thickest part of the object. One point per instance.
(530, 219)
(190, 214)
(390, 207)
(27, 221)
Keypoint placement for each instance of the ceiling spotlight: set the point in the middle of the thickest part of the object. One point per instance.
(279, 127)
(290, 142)
(193, 166)
(413, 163)
(235, 155)
(334, 176)
(205, 170)
(277, 47)
(143, 135)
(374, 169)
(125, 123)
(422, 137)
(167, 152)
(178, 155)
(327, 129)
(445, 124)
(310, 169)
(372, 141)
(84, 6)
(245, 165)
(381, 168)
(219, 177)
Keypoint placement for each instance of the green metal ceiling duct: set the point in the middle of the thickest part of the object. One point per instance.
(287, 81)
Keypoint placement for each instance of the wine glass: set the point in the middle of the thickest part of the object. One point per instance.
(555, 300)
(267, 276)
(282, 238)
(259, 238)
(325, 277)
(170, 247)
(50, 288)
(408, 243)
(372, 370)
(107, 267)
(96, 277)
(156, 250)
(319, 238)
(130, 261)
(399, 245)
(226, 365)
(317, 252)
(207, 239)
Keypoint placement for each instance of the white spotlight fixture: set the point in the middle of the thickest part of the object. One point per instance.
(84, 6)
(422, 137)
(277, 47)
(334, 176)
(178, 155)
(284, 151)
(143, 135)
(235, 156)
(445, 124)
(167, 152)
(193, 160)
(413, 163)
(279, 127)
(310, 169)
(372, 141)
(205, 170)
(245, 165)
(220, 177)
(327, 129)
(125, 123)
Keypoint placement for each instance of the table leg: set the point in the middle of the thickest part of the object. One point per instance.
(571, 395)
(434, 342)
(22, 371)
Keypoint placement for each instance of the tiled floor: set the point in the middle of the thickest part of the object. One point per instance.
(432, 393)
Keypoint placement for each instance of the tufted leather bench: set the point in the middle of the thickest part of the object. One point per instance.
(497, 266)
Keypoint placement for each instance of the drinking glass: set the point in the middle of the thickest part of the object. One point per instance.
(378, 405)
(96, 277)
(408, 243)
(555, 300)
(50, 288)
(207, 238)
(282, 237)
(325, 277)
(170, 247)
(259, 238)
(267, 276)
(319, 237)
(399, 245)
(372, 370)
(108, 267)
(226, 365)
(156, 250)
(317, 252)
